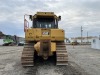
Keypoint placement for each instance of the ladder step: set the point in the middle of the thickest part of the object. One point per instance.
(65, 59)
(62, 63)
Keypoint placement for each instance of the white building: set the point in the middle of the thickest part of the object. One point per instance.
(95, 43)
(84, 39)
(1, 42)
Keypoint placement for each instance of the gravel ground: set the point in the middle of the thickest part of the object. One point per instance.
(86, 57)
(10, 64)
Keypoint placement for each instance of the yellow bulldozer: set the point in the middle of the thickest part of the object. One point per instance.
(44, 38)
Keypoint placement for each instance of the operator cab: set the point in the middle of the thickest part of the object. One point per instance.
(45, 22)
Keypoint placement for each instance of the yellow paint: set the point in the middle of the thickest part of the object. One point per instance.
(37, 46)
(45, 14)
(53, 46)
(36, 34)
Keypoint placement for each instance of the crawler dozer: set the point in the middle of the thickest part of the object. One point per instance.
(44, 38)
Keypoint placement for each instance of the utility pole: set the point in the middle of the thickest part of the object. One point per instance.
(81, 35)
(87, 37)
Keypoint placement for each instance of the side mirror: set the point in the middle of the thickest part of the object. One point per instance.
(59, 18)
(30, 17)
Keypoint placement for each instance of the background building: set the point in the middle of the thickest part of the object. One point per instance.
(84, 39)
(95, 43)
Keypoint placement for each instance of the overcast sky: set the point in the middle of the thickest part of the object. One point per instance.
(74, 13)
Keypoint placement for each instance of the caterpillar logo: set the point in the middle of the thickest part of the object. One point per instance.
(45, 33)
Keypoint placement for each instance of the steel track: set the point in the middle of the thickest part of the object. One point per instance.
(27, 58)
(61, 53)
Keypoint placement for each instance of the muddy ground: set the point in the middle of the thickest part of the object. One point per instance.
(86, 57)
(10, 64)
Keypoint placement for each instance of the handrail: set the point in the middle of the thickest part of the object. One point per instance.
(26, 23)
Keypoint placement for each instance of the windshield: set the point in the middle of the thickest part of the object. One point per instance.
(45, 23)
